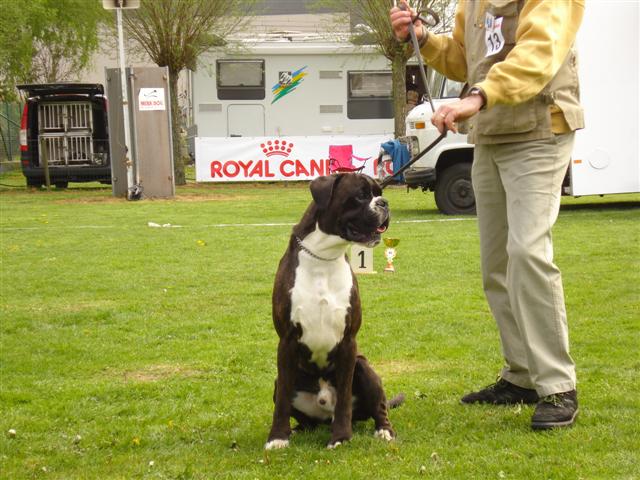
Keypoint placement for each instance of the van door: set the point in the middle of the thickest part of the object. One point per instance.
(245, 120)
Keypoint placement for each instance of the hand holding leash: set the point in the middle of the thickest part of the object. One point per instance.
(407, 20)
(402, 16)
(446, 116)
(402, 20)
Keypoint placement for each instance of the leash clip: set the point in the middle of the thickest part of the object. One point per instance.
(431, 21)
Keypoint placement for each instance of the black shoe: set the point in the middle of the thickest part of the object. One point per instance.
(557, 410)
(502, 393)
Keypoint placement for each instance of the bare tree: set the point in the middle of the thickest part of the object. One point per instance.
(174, 33)
(53, 63)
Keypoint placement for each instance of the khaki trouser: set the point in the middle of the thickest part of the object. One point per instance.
(517, 188)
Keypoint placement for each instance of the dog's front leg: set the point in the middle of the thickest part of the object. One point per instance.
(281, 425)
(341, 428)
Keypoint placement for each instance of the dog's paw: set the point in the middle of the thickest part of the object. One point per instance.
(384, 434)
(276, 443)
(337, 441)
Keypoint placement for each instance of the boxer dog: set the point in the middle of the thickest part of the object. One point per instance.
(316, 305)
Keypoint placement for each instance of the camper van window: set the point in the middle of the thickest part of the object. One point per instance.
(369, 95)
(240, 79)
(369, 84)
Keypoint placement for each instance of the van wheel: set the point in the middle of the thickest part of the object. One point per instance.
(453, 192)
(34, 183)
(62, 185)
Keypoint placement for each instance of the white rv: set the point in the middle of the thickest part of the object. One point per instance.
(606, 158)
(286, 86)
(330, 103)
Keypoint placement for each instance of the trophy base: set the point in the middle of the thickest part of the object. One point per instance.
(389, 269)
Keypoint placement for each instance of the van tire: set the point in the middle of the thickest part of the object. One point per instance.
(61, 185)
(453, 192)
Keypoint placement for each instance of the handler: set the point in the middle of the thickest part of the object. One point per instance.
(521, 113)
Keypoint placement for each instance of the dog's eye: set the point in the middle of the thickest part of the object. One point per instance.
(362, 195)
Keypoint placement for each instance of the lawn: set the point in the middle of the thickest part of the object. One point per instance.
(130, 351)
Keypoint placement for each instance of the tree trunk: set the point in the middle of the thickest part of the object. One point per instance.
(176, 135)
(399, 79)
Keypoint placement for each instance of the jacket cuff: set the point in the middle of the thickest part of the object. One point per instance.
(425, 36)
(431, 47)
(489, 94)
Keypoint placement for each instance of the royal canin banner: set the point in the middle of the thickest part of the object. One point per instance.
(244, 159)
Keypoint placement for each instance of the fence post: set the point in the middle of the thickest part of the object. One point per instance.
(45, 159)
(10, 147)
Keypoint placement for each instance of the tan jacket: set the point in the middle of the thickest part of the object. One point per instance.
(520, 53)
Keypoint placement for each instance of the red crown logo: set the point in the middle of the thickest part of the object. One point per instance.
(276, 147)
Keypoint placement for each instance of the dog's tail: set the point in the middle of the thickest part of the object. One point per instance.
(396, 401)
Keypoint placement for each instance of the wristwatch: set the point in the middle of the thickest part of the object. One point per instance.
(480, 93)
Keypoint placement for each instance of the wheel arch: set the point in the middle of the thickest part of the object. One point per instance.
(452, 156)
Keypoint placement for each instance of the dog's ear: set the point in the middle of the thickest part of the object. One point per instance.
(322, 189)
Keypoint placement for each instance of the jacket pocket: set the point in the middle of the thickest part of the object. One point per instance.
(506, 119)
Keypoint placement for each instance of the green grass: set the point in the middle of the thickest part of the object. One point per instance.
(123, 344)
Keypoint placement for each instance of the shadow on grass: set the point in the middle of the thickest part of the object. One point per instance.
(624, 205)
(400, 213)
(416, 212)
(317, 438)
(404, 213)
(24, 188)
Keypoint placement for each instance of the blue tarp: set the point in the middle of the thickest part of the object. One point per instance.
(399, 155)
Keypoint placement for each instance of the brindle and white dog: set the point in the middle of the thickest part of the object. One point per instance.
(316, 304)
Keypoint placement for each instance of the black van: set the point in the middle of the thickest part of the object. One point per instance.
(65, 124)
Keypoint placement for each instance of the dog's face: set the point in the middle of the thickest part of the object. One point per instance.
(352, 207)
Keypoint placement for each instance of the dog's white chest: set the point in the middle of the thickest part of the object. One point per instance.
(320, 300)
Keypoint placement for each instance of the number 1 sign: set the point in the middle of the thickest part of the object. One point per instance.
(361, 259)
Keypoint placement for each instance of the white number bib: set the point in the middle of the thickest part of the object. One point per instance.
(493, 34)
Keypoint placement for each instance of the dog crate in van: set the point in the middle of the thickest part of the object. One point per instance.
(66, 133)
(66, 126)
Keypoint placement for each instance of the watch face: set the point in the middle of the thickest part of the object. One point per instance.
(476, 91)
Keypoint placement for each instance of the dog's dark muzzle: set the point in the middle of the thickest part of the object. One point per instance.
(367, 231)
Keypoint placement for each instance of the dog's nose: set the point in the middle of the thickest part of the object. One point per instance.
(382, 202)
(322, 401)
